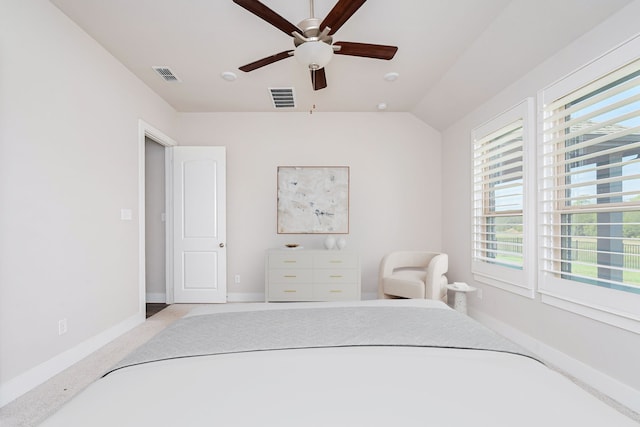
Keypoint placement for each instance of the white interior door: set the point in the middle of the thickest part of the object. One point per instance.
(199, 225)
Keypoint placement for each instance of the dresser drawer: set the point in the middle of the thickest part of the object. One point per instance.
(290, 292)
(311, 275)
(290, 259)
(335, 259)
(336, 276)
(290, 276)
(336, 292)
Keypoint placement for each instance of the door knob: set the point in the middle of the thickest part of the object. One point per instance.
(222, 245)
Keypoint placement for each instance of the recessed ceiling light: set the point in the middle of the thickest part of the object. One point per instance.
(391, 77)
(382, 106)
(229, 76)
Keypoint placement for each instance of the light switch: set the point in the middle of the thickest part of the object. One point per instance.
(126, 214)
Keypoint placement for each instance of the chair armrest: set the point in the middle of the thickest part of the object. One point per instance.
(386, 268)
(436, 280)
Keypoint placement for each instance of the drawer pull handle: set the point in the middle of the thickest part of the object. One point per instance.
(289, 261)
(290, 276)
(290, 291)
(336, 276)
(336, 261)
(335, 291)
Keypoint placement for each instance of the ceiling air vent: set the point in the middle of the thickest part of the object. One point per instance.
(166, 74)
(282, 97)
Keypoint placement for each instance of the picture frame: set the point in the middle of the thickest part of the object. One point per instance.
(313, 199)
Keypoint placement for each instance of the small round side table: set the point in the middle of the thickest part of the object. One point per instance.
(460, 297)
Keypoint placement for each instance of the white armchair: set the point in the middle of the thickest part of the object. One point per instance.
(413, 274)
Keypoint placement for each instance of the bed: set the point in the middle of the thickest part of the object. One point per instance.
(368, 363)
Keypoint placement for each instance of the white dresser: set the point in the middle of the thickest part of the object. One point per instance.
(311, 275)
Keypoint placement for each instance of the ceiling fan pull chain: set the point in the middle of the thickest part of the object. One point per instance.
(313, 79)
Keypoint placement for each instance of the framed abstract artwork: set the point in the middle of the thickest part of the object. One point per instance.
(313, 199)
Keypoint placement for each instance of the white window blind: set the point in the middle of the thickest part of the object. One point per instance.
(499, 230)
(590, 210)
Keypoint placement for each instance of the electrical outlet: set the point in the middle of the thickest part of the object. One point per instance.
(62, 326)
(237, 278)
(479, 293)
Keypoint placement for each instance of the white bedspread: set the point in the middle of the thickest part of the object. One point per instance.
(344, 386)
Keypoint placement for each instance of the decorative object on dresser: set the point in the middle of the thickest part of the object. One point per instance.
(330, 242)
(313, 200)
(311, 275)
(413, 274)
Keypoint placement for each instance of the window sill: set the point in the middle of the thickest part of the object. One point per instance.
(505, 286)
(615, 308)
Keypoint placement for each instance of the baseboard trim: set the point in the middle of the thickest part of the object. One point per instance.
(245, 297)
(155, 297)
(16, 387)
(369, 295)
(259, 296)
(620, 392)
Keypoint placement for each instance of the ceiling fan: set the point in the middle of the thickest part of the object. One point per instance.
(313, 39)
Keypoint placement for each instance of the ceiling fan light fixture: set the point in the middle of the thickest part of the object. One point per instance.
(314, 54)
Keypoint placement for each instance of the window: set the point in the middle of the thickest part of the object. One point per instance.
(590, 199)
(501, 225)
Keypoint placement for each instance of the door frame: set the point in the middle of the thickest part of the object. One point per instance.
(145, 130)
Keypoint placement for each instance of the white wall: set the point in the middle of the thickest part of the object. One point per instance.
(610, 350)
(68, 164)
(395, 190)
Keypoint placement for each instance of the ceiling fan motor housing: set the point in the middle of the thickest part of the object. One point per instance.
(311, 32)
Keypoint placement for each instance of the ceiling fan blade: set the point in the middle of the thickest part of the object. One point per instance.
(378, 51)
(263, 12)
(266, 61)
(340, 13)
(318, 79)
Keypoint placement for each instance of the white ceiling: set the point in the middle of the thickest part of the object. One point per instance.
(452, 56)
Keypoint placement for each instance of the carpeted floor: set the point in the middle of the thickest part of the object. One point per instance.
(35, 406)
